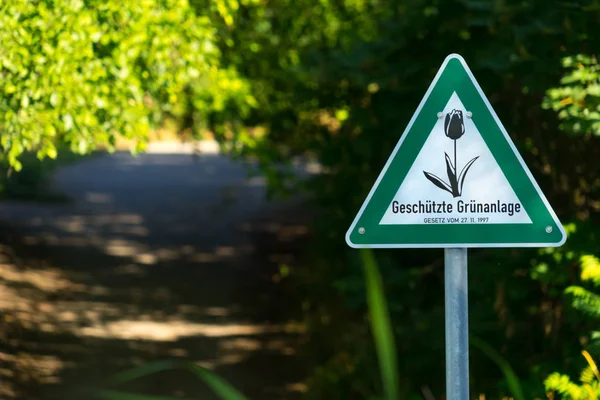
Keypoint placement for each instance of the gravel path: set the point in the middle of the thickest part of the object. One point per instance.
(166, 255)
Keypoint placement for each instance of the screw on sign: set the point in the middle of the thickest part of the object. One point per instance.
(499, 204)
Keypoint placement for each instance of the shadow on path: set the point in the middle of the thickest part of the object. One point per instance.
(163, 256)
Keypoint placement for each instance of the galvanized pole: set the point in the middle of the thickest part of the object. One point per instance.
(457, 324)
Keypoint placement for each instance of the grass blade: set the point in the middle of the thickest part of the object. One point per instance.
(509, 374)
(116, 395)
(145, 370)
(592, 364)
(381, 327)
(217, 384)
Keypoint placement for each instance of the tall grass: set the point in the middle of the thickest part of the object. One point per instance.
(381, 326)
(513, 382)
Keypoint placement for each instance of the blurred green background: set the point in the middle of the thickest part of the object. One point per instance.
(336, 81)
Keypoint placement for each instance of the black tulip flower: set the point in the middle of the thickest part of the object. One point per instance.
(454, 126)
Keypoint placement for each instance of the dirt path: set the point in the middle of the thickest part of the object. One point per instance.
(157, 257)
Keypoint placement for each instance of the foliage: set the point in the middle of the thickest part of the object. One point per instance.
(589, 389)
(583, 299)
(577, 100)
(85, 72)
(587, 302)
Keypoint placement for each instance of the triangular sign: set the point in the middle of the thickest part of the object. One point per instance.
(455, 179)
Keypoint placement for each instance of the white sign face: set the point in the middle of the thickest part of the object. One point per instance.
(455, 181)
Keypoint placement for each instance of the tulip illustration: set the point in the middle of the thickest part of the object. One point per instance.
(454, 128)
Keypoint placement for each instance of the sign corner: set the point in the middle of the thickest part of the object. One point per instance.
(455, 56)
(349, 240)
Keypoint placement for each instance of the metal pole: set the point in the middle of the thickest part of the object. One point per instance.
(457, 324)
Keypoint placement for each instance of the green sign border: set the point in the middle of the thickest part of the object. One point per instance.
(544, 231)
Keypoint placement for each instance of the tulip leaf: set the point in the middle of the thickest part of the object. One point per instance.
(449, 161)
(463, 173)
(438, 182)
(452, 176)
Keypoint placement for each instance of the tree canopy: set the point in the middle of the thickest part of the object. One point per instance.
(83, 73)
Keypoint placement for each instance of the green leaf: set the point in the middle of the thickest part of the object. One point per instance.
(381, 327)
(563, 385)
(54, 99)
(590, 269)
(68, 121)
(585, 300)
